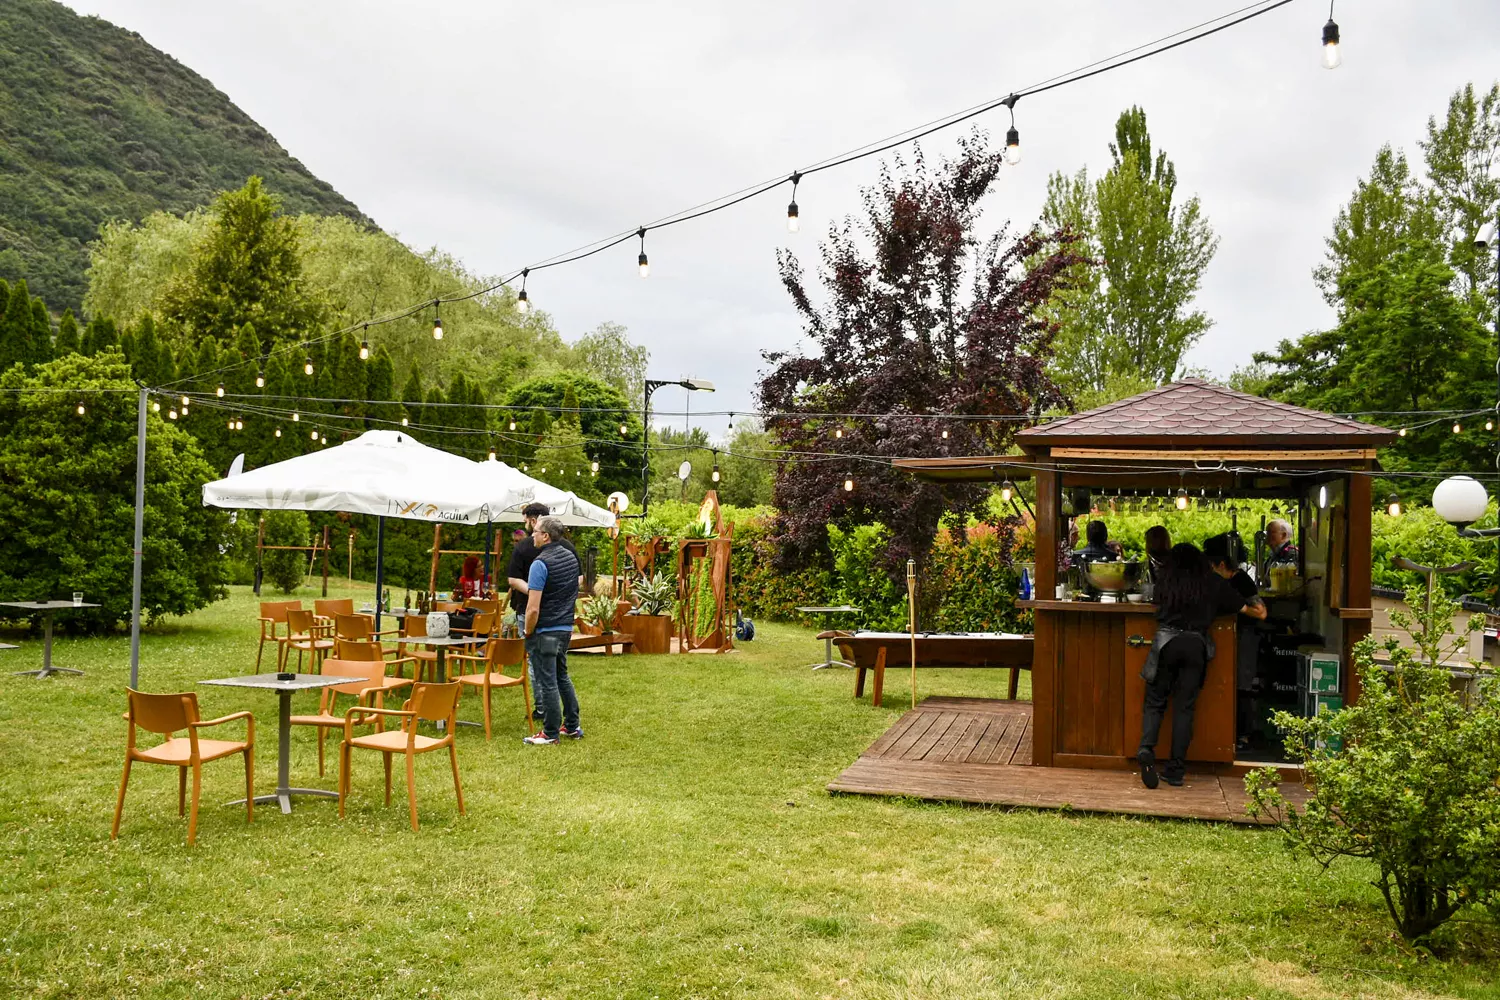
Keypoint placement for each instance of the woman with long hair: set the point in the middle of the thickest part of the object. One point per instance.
(471, 582)
(1189, 596)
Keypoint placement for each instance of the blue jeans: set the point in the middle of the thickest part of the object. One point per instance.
(548, 655)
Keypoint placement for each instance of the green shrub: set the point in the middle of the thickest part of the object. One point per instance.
(68, 519)
(1407, 778)
(285, 569)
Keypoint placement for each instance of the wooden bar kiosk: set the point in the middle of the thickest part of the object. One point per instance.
(1205, 444)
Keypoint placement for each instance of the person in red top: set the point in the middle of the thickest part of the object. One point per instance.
(471, 582)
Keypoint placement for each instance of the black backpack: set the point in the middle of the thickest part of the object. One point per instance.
(744, 628)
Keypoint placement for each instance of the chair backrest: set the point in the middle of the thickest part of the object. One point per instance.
(413, 626)
(299, 621)
(162, 713)
(434, 702)
(447, 605)
(505, 652)
(352, 668)
(276, 610)
(332, 608)
(483, 604)
(355, 649)
(348, 626)
(484, 622)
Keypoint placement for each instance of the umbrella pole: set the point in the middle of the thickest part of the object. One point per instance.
(379, 567)
(135, 553)
(489, 543)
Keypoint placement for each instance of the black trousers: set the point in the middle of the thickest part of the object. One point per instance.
(1179, 676)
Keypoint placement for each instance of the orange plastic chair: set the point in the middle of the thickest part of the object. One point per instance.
(307, 636)
(273, 614)
(498, 653)
(167, 714)
(433, 702)
(489, 604)
(328, 609)
(370, 689)
(447, 605)
(358, 627)
(415, 627)
(372, 652)
(484, 624)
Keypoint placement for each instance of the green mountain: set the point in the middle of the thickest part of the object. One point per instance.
(96, 124)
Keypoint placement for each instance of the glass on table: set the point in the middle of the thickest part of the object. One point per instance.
(77, 598)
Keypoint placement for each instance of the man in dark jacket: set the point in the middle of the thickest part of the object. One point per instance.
(551, 593)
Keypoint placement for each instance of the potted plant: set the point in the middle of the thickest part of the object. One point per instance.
(598, 613)
(651, 620)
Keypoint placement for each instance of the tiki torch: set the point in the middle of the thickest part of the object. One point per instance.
(911, 620)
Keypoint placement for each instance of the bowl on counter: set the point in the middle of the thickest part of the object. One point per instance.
(1112, 577)
(1135, 598)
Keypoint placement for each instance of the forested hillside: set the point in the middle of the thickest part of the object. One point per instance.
(96, 124)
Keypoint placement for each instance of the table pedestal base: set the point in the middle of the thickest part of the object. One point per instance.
(283, 797)
(48, 671)
(828, 660)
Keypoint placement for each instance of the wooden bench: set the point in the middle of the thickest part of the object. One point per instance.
(609, 641)
(874, 651)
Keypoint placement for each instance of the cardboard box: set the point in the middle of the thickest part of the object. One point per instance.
(1320, 672)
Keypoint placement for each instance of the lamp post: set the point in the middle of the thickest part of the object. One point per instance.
(1462, 500)
(1489, 239)
(652, 384)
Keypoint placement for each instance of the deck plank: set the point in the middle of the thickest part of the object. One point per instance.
(929, 739)
(978, 726)
(920, 725)
(962, 722)
(993, 736)
(894, 733)
(1005, 753)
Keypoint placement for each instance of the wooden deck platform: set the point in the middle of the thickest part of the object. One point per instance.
(979, 750)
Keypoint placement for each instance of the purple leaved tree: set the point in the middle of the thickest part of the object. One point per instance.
(921, 316)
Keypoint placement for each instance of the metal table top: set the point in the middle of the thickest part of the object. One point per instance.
(44, 605)
(301, 682)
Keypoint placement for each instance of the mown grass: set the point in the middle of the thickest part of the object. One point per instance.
(685, 848)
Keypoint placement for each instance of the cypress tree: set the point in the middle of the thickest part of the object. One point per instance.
(246, 356)
(67, 335)
(281, 380)
(40, 342)
(10, 339)
(380, 389)
(411, 395)
(142, 352)
(100, 336)
(17, 329)
(541, 423)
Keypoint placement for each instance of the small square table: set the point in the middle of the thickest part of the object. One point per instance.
(440, 646)
(48, 609)
(269, 682)
(828, 660)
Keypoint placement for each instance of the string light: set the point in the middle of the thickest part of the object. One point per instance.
(1401, 432)
(623, 429)
(641, 262)
(364, 345)
(492, 453)
(231, 423)
(1457, 427)
(185, 402)
(512, 423)
(714, 475)
(307, 365)
(1393, 505)
(296, 416)
(838, 432)
(594, 467)
(437, 321)
(1182, 499)
(260, 380)
(848, 484)
(1012, 137)
(1007, 490)
(731, 421)
(792, 223)
(156, 406)
(239, 424)
(945, 433)
(404, 421)
(523, 304)
(172, 413)
(220, 391)
(278, 430)
(81, 409)
(313, 435)
(1332, 58)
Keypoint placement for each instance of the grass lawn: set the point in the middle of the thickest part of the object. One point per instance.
(685, 848)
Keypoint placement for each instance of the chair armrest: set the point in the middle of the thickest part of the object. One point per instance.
(249, 723)
(404, 659)
(363, 710)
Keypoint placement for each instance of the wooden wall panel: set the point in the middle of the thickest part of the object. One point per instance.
(1044, 655)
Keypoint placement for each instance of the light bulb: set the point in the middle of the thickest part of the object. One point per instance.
(260, 380)
(1182, 500)
(577, 472)
(512, 425)
(403, 421)
(1393, 506)
(239, 425)
(524, 466)
(1457, 428)
(437, 328)
(523, 304)
(1489, 425)
(81, 409)
(643, 265)
(1007, 490)
(838, 432)
(792, 225)
(313, 435)
(945, 434)
(307, 367)
(492, 454)
(594, 467)
(155, 406)
(220, 391)
(1332, 59)
(544, 469)
(1401, 432)
(849, 485)
(1012, 146)
(1322, 497)
(715, 474)
(623, 430)
(172, 414)
(278, 432)
(296, 416)
(231, 425)
(364, 350)
(185, 402)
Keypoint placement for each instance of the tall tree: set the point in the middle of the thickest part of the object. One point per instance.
(411, 397)
(607, 352)
(1463, 169)
(603, 411)
(100, 336)
(246, 268)
(1127, 322)
(67, 335)
(381, 413)
(25, 331)
(923, 316)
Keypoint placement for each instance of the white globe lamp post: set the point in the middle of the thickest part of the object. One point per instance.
(1460, 500)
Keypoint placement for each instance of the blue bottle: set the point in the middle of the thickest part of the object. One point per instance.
(1025, 585)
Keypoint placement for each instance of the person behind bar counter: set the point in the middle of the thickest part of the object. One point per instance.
(1097, 546)
(1189, 596)
(1226, 554)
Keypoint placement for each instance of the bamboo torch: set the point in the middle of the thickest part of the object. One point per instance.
(911, 620)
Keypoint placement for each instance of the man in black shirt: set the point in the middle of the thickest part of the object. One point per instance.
(522, 556)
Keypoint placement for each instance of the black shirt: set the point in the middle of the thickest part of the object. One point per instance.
(1223, 599)
(521, 558)
(1243, 585)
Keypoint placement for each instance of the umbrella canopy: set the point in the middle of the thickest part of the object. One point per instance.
(385, 473)
(571, 509)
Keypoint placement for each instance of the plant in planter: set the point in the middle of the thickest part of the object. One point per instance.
(599, 612)
(651, 621)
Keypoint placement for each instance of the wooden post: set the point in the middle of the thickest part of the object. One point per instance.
(260, 541)
(1357, 574)
(437, 553)
(326, 541)
(1044, 652)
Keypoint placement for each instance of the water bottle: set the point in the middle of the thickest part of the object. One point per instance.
(1025, 585)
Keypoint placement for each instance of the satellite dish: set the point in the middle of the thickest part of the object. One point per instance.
(618, 502)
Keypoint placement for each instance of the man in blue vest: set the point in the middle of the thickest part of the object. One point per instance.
(552, 592)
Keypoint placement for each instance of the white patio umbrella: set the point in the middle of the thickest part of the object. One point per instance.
(570, 508)
(384, 473)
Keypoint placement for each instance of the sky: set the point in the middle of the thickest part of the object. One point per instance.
(505, 133)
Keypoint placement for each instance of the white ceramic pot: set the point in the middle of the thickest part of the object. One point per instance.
(437, 625)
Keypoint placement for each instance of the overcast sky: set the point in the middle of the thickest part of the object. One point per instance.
(507, 132)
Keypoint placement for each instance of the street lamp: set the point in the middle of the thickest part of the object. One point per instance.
(1462, 500)
(652, 384)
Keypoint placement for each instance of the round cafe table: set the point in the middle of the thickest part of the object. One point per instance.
(47, 609)
(828, 660)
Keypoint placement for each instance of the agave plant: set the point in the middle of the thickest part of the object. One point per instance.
(655, 594)
(599, 612)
